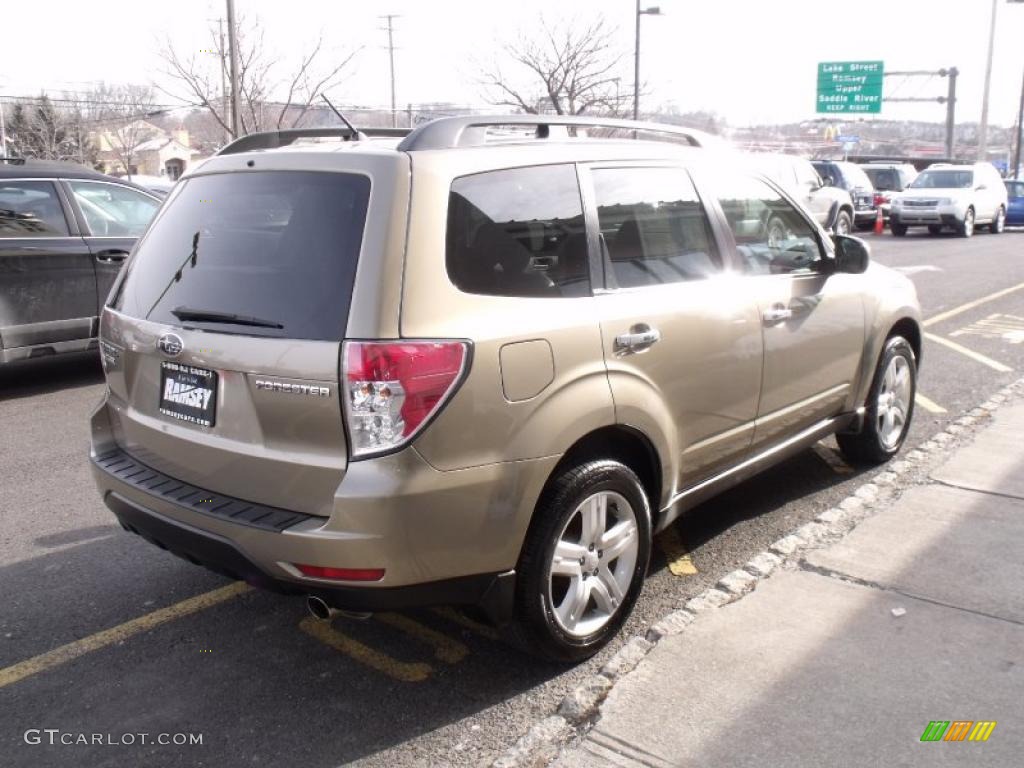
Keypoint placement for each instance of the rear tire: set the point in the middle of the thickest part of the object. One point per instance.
(583, 562)
(999, 222)
(935, 228)
(889, 407)
(843, 223)
(897, 229)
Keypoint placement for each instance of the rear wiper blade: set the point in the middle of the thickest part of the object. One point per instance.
(229, 318)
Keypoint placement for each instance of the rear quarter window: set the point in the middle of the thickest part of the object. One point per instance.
(518, 232)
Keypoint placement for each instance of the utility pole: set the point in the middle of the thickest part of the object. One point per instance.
(1020, 130)
(226, 115)
(391, 57)
(653, 11)
(951, 73)
(983, 128)
(233, 43)
(3, 133)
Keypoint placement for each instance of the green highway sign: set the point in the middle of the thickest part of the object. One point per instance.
(850, 86)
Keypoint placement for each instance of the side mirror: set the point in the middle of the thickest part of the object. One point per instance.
(828, 181)
(852, 254)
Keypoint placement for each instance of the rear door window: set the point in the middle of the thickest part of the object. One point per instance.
(262, 253)
(31, 209)
(653, 227)
(518, 232)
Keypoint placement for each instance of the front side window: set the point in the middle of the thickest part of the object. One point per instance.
(772, 236)
(112, 210)
(518, 232)
(31, 209)
(808, 176)
(653, 227)
(1015, 188)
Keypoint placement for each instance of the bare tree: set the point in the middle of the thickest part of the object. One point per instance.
(569, 68)
(40, 129)
(200, 78)
(119, 112)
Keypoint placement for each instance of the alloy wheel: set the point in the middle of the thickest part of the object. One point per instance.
(593, 563)
(894, 401)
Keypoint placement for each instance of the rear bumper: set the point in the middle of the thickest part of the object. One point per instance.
(440, 536)
(493, 592)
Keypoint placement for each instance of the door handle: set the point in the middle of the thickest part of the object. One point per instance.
(639, 338)
(112, 256)
(776, 314)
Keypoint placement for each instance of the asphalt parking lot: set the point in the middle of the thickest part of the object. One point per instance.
(104, 634)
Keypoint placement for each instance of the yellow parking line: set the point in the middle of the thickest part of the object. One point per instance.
(403, 671)
(474, 626)
(929, 405)
(679, 562)
(993, 364)
(445, 648)
(970, 305)
(833, 459)
(121, 632)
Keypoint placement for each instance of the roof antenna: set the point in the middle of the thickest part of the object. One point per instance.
(357, 135)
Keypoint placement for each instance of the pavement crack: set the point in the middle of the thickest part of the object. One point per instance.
(803, 565)
(997, 494)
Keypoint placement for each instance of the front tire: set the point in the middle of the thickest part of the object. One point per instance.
(900, 230)
(935, 229)
(889, 407)
(966, 228)
(584, 561)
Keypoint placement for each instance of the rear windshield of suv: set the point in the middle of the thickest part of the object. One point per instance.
(261, 253)
(883, 178)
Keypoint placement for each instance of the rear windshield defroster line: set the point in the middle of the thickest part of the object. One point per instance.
(269, 253)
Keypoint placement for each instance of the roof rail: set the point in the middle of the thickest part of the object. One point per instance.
(275, 139)
(471, 130)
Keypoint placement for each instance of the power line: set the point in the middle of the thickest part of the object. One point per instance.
(11, 98)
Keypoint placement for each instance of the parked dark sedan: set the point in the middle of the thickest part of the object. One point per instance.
(64, 232)
(1014, 203)
(850, 177)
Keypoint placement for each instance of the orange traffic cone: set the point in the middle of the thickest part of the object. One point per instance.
(879, 222)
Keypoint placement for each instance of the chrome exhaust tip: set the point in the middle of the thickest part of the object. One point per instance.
(320, 610)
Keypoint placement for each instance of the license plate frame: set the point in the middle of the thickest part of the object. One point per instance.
(188, 393)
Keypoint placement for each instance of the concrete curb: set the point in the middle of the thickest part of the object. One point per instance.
(581, 708)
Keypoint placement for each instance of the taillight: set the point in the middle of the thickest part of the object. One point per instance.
(343, 574)
(393, 388)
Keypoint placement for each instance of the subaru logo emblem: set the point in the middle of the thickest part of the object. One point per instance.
(170, 344)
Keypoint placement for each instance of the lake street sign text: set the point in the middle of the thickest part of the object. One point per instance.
(850, 86)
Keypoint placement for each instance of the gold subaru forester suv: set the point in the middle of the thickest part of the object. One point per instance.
(482, 363)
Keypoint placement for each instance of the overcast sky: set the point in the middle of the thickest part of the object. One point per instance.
(748, 60)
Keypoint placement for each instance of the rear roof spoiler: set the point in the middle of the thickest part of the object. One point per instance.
(275, 139)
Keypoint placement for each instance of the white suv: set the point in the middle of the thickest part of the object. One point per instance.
(957, 196)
